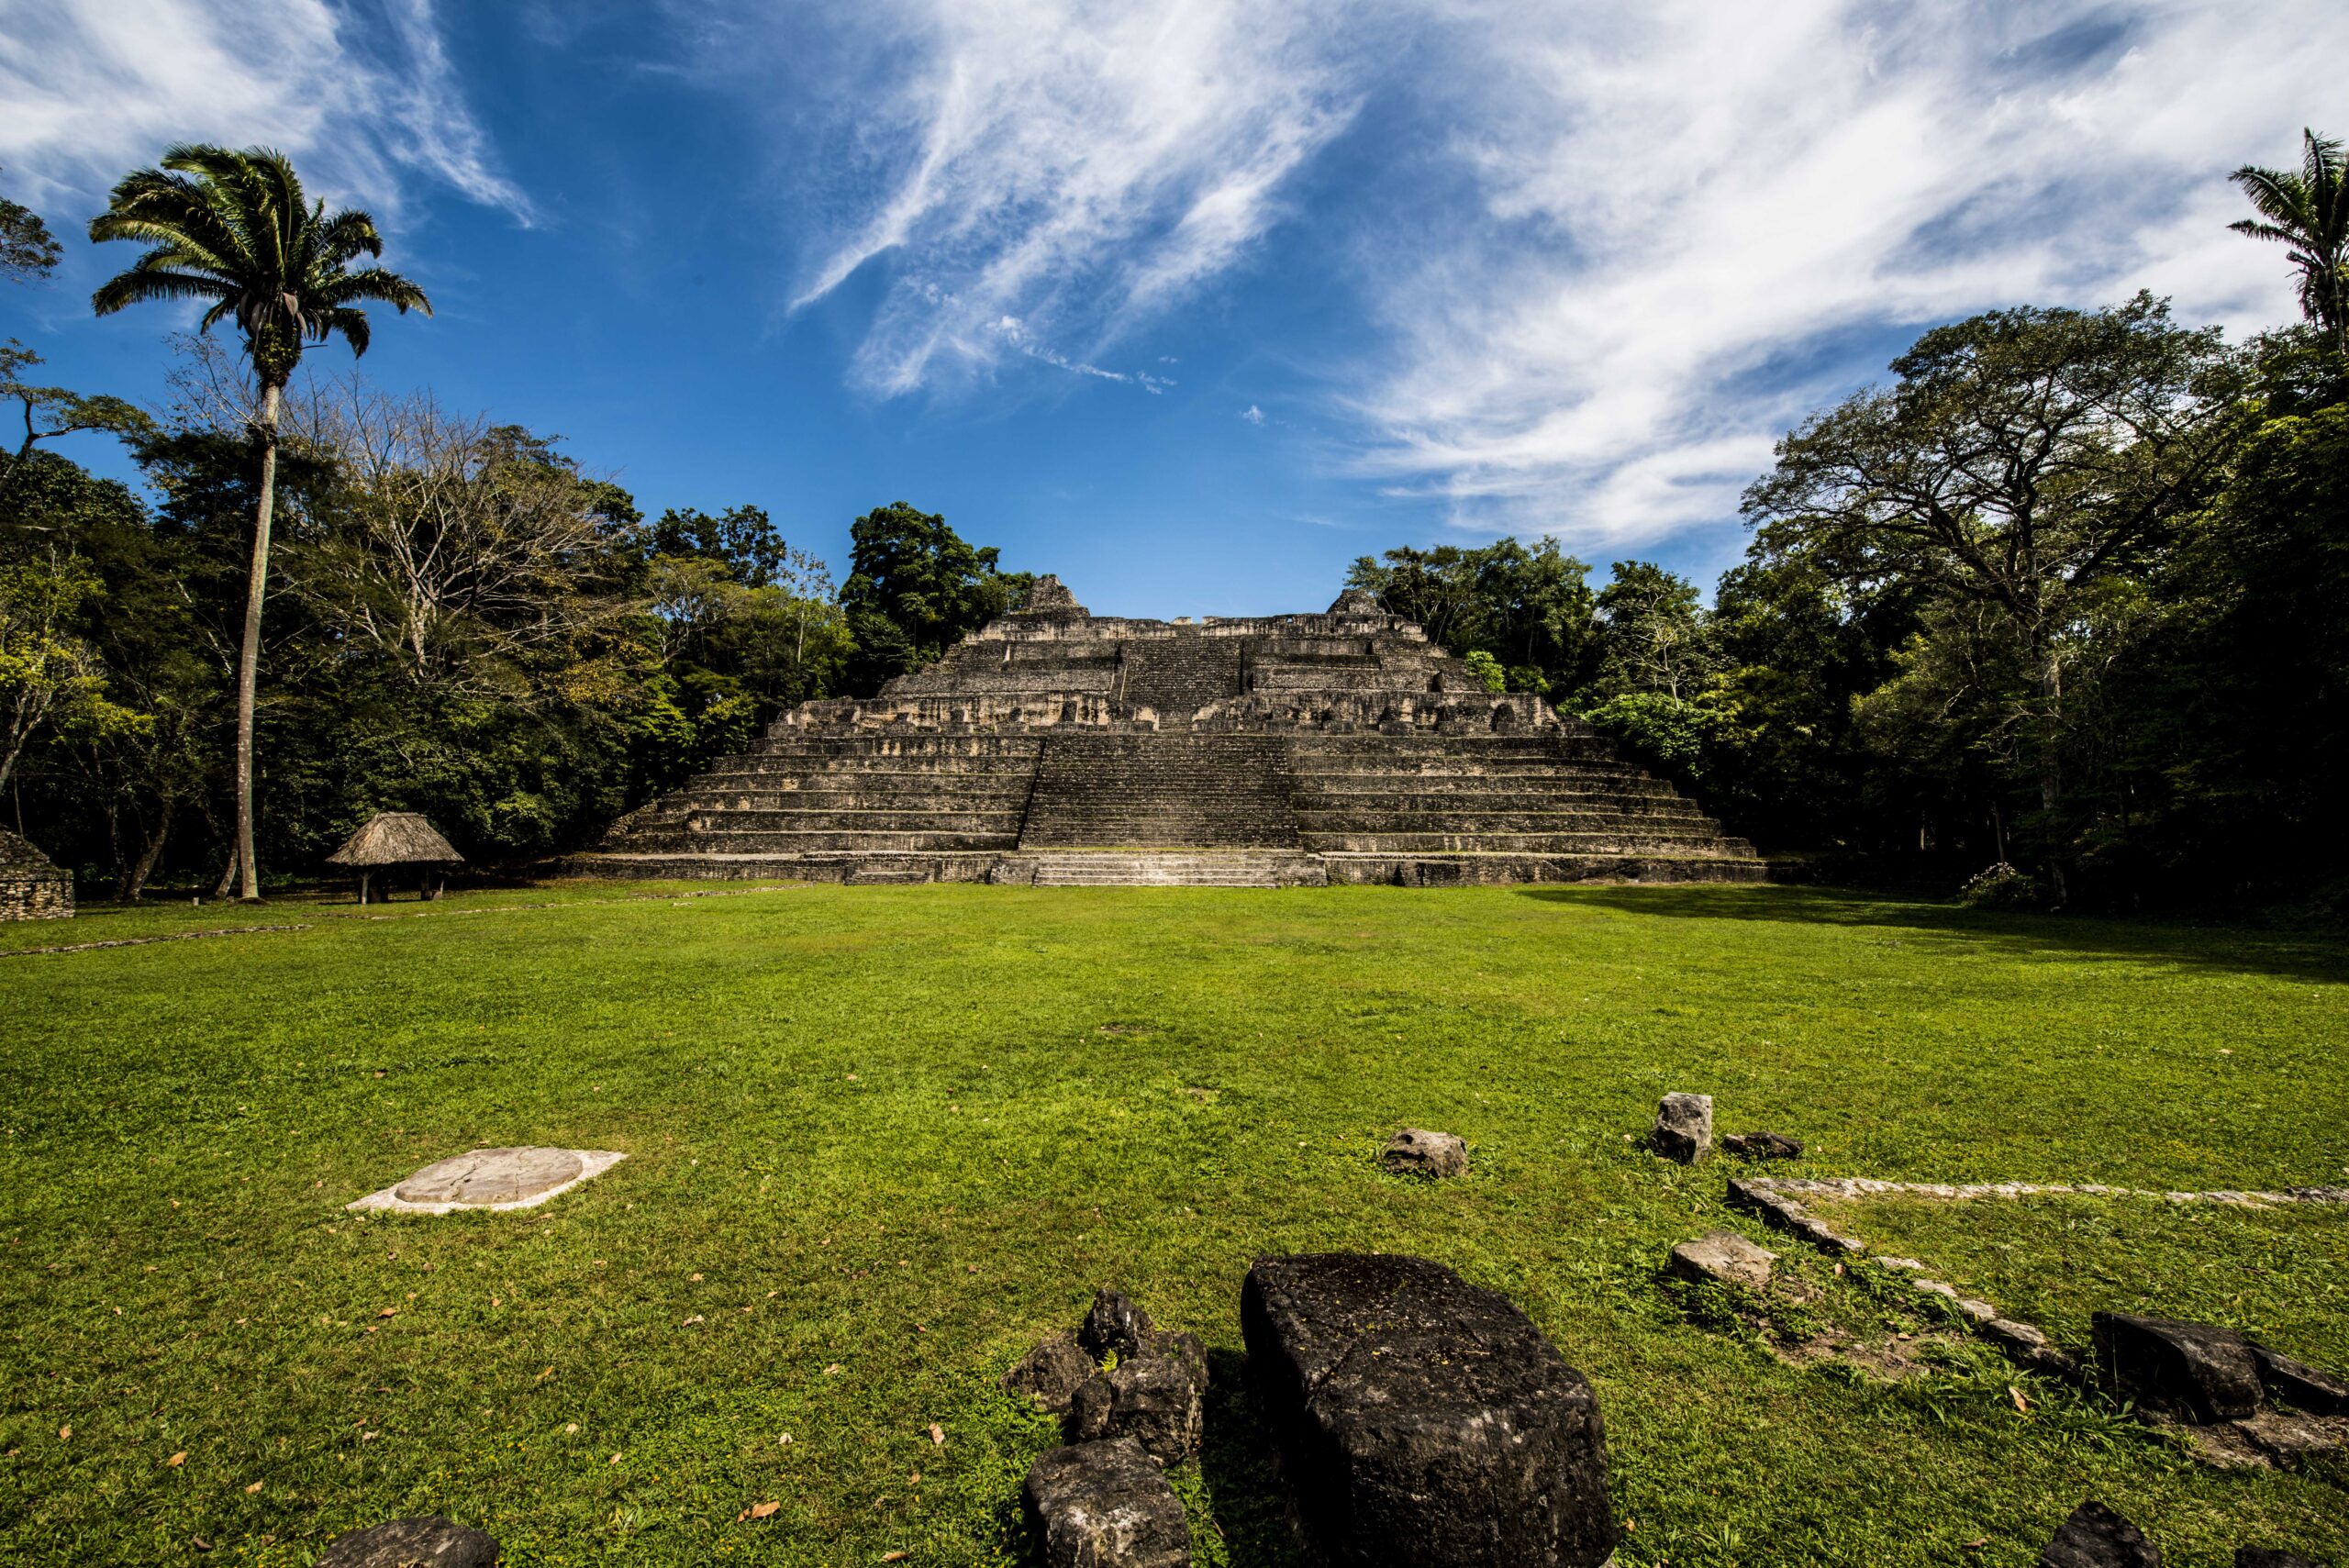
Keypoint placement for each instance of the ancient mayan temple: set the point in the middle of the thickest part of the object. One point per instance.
(1056, 747)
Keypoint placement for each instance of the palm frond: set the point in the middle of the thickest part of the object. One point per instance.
(377, 285)
(351, 324)
(136, 287)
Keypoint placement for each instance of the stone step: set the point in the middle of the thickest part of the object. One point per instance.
(1113, 868)
(1610, 843)
(1474, 819)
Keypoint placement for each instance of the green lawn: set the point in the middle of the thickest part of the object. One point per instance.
(881, 1138)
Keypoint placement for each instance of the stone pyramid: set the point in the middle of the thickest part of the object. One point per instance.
(1057, 747)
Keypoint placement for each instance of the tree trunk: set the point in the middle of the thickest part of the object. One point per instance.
(249, 655)
(134, 884)
(2048, 670)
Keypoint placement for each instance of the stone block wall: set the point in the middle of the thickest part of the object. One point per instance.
(1345, 742)
(31, 888)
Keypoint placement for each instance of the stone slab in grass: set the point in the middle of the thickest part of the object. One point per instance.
(1723, 1257)
(492, 1179)
(1417, 1152)
(1423, 1422)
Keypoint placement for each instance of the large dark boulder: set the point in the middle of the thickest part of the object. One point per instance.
(427, 1542)
(2096, 1537)
(1105, 1504)
(2301, 1386)
(1423, 1422)
(2192, 1371)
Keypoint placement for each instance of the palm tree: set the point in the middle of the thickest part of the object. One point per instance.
(2308, 209)
(234, 228)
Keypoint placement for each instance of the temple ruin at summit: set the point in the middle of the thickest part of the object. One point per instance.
(1056, 747)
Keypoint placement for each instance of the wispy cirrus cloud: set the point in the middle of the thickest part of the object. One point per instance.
(1691, 215)
(1641, 240)
(367, 99)
(1073, 166)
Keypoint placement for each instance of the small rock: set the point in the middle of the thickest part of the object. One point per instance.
(1114, 1326)
(1763, 1146)
(1976, 1310)
(2189, 1370)
(2268, 1557)
(1684, 1127)
(427, 1542)
(2096, 1537)
(1157, 1396)
(1105, 1504)
(2300, 1386)
(2027, 1344)
(1723, 1257)
(1415, 1151)
(1051, 1374)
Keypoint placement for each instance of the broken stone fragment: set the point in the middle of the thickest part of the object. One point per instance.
(1684, 1127)
(1114, 1326)
(2029, 1345)
(1419, 1153)
(1105, 1504)
(427, 1543)
(2192, 1372)
(1422, 1422)
(1762, 1146)
(2268, 1557)
(1157, 1398)
(2096, 1537)
(1723, 1257)
(2301, 1386)
(1052, 1373)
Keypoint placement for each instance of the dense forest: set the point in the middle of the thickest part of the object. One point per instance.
(2057, 614)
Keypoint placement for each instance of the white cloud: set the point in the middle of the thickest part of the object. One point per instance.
(1686, 206)
(1642, 238)
(90, 88)
(1253, 415)
(1076, 165)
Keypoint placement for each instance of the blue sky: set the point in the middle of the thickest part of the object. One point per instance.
(1191, 301)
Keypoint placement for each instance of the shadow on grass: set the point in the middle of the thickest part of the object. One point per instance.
(2057, 937)
(1241, 1475)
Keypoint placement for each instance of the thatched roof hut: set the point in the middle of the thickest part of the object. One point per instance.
(392, 838)
(396, 838)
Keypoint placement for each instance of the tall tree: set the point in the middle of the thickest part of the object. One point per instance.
(2308, 209)
(915, 587)
(2025, 459)
(235, 229)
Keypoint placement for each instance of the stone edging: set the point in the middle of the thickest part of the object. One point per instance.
(142, 942)
(2025, 1343)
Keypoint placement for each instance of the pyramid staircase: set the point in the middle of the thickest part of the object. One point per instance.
(1056, 749)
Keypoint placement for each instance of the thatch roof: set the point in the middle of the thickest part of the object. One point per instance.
(396, 838)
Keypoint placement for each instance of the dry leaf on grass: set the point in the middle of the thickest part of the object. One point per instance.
(254, 1488)
(176, 1460)
(63, 1432)
(389, 1312)
(937, 1434)
(2015, 1394)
